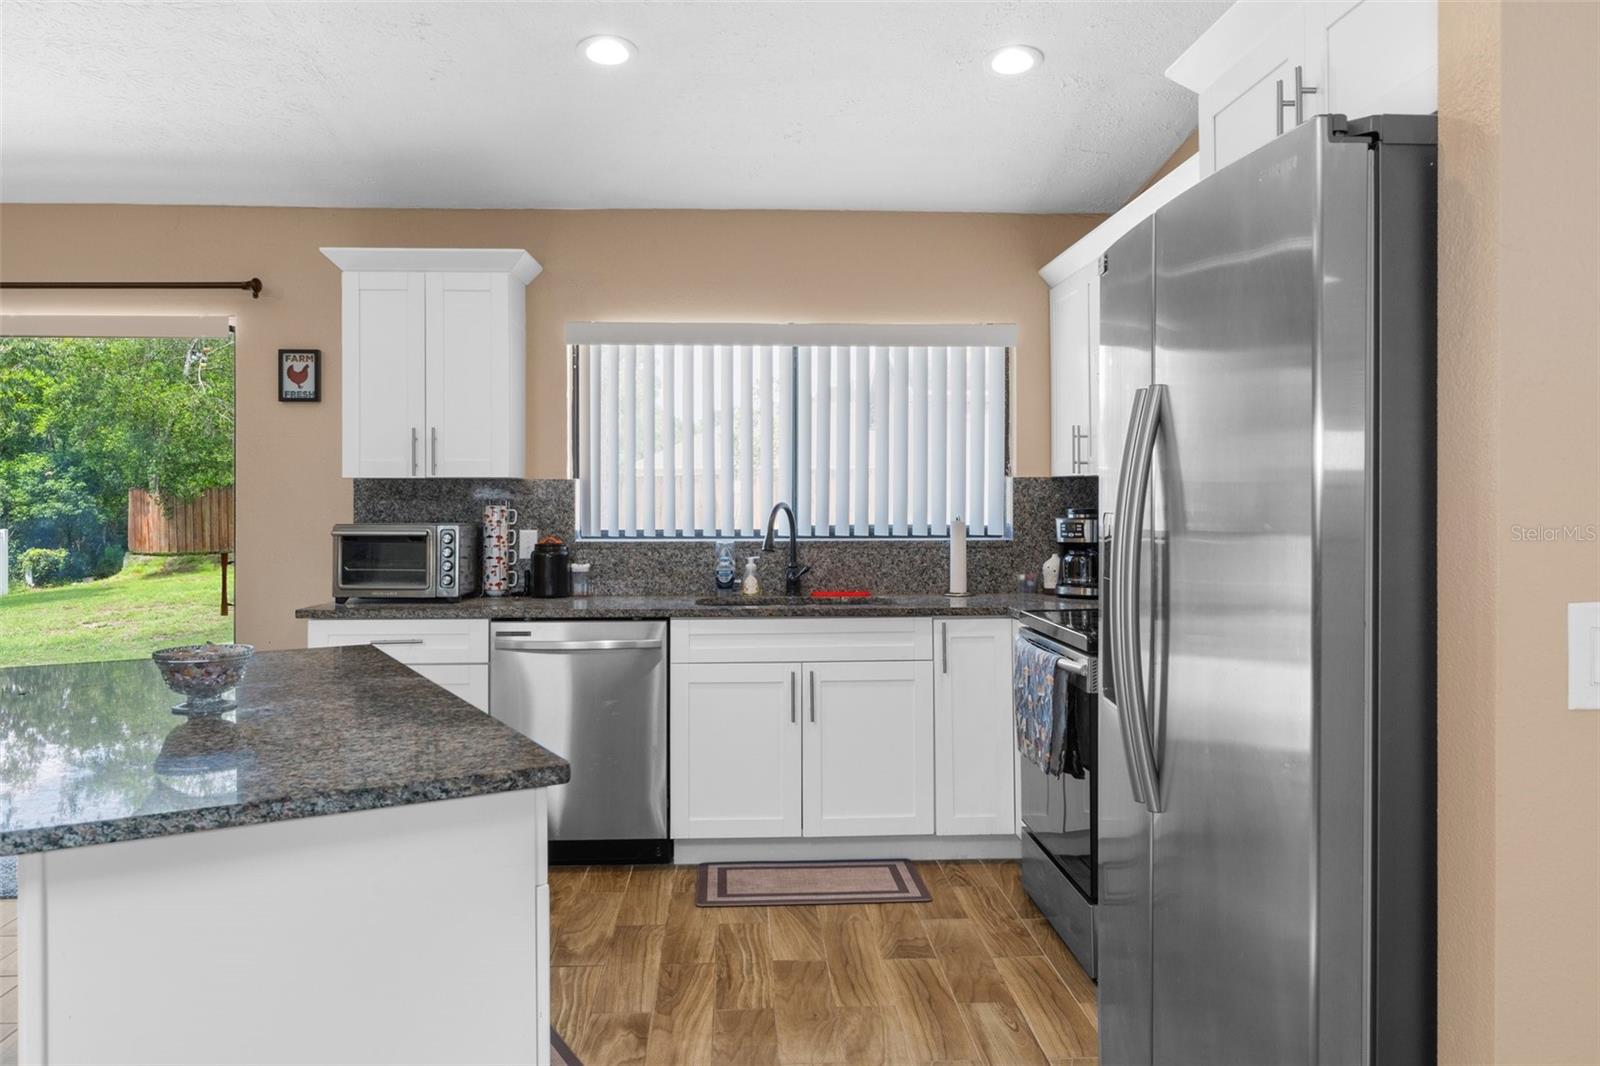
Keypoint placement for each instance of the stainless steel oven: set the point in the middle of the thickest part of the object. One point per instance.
(404, 561)
(1060, 846)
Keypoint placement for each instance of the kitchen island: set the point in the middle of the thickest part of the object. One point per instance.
(348, 867)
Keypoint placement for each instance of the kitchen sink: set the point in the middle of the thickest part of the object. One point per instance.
(737, 601)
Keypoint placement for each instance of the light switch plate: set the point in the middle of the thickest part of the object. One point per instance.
(1583, 656)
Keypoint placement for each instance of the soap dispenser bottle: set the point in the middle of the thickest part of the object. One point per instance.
(752, 584)
(726, 572)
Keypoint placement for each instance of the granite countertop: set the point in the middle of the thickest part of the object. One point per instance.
(525, 608)
(92, 754)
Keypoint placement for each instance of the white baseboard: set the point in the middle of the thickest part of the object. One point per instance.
(688, 852)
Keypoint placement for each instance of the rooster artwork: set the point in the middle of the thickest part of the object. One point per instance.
(299, 374)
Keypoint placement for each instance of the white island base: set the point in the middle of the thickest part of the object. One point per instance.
(417, 933)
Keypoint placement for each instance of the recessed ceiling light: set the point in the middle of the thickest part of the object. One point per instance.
(606, 50)
(1015, 59)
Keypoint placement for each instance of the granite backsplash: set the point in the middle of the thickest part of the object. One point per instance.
(684, 567)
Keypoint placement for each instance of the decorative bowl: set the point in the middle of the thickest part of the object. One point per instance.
(203, 672)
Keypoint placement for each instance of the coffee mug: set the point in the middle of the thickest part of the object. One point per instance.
(499, 514)
(499, 581)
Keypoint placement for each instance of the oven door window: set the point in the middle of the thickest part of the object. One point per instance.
(395, 563)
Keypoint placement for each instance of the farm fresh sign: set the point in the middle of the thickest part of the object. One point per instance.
(300, 374)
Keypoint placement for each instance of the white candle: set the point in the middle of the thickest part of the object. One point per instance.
(958, 558)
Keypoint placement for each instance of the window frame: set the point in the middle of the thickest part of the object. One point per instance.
(794, 337)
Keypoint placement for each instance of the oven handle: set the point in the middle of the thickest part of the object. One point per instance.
(1065, 660)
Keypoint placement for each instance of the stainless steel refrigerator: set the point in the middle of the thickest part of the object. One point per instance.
(1266, 724)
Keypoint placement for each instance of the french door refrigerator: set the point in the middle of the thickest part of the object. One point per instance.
(1266, 807)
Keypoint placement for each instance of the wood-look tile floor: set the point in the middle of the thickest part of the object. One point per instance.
(642, 975)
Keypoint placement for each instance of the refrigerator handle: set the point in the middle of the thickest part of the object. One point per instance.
(1132, 498)
(1115, 635)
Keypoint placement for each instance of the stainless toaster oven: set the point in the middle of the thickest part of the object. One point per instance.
(418, 561)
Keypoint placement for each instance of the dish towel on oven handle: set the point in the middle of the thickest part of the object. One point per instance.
(1037, 705)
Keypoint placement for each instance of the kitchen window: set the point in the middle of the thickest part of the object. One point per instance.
(868, 431)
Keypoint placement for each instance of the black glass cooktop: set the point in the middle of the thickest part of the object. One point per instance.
(1076, 627)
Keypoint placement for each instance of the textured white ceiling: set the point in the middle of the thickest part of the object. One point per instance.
(866, 106)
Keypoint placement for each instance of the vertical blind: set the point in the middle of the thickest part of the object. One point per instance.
(863, 440)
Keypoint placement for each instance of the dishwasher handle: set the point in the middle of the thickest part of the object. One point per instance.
(511, 642)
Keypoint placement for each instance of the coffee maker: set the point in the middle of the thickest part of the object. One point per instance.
(1077, 539)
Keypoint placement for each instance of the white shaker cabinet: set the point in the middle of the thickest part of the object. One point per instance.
(433, 359)
(1263, 68)
(868, 762)
(453, 653)
(975, 754)
(735, 741)
(785, 727)
(1080, 424)
(1253, 101)
(475, 354)
(1373, 57)
(384, 410)
(1074, 336)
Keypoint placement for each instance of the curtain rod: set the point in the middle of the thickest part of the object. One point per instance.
(253, 285)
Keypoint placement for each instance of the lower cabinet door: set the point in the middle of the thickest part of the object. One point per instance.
(470, 681)
(974, 741)
(868, 749)
(735, 763)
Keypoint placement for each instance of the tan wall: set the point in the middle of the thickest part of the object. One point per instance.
(1190, 146)
(1519, 403)
(616, 265)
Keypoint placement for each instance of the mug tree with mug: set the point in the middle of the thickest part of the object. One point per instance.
(500, 571)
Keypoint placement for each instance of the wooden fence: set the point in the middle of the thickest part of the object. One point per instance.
(202, 525)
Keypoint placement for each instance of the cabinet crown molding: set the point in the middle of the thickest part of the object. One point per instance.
(513, 261)
(1088, 248)
(1235, 33)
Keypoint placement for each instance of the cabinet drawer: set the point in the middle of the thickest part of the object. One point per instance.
(429, 640)
(793, 640)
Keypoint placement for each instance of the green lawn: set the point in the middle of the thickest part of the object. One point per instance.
(153, 603)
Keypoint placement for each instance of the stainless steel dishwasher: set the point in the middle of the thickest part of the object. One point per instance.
(594, 693)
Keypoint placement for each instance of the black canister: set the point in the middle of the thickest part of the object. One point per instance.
(550, 571)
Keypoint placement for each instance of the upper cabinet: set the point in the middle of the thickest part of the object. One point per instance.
(1077, 391)
(1266, 67)
(433, 361)
(1262, 69)
(1074, 333)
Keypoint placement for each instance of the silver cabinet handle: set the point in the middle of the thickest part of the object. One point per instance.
(413, 451)
(397, 640)
(811, 677)
(505, 643)
(1283, 105)
(793, 714)
(1301, 91)
(1080, 437)
(944, 647)
(433, 447)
